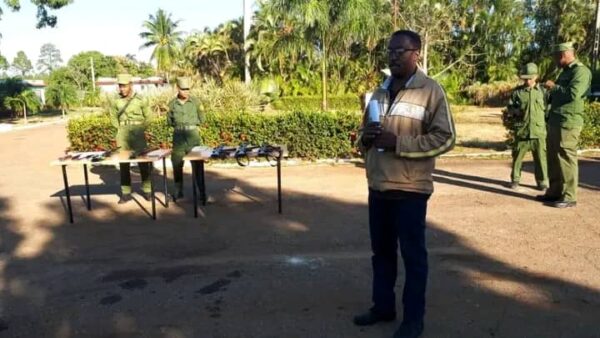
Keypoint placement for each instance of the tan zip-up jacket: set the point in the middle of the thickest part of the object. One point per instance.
(420, 118)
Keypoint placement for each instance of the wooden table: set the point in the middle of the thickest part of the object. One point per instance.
(202, 154)
(122, 157)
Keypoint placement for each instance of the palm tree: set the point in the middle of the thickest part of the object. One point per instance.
(22, 101)
(332, 26)
(161, 33)
(208, 52)
(62, 96)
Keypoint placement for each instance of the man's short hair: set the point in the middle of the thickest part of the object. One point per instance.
(413, 37)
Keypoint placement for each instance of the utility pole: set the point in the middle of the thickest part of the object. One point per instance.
(93, 74)
(247, 23)
(596, 38)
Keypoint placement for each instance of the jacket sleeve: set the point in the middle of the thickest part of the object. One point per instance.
(577, 87)
(145, 106)
(438, 135)
(170, 116)
(114, 114)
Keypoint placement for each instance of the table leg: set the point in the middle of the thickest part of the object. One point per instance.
(152, 197)
(87, 188)
(279, 183)
(165, 181)
(194, 194)
(67, 192)
(202, 184)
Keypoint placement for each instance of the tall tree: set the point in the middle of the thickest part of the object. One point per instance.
(161, 34)
(79, 66)
(333, 26)
(44, 18)
(3, 63)
(21, 63)
(49, 58)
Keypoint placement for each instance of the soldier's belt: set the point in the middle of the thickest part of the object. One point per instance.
(186, 127)
(131, 123)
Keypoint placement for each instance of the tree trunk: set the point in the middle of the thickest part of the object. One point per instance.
(63, 112)
(324, 75)
(25, 112)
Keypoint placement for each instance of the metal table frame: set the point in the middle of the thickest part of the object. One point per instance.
(112, 161)
(197, 158)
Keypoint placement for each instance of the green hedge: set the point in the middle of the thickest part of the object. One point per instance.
(309, 135)
(313, 103)
(590, 135)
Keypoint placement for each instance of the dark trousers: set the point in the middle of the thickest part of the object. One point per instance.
(394, 219)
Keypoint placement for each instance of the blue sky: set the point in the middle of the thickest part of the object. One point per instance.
(109, 26)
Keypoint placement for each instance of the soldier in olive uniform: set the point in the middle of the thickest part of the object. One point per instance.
(185, 115)
(129, 115)
(565, 122)
(527, 106)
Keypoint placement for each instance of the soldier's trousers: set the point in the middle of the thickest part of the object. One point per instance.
(538, 150)
(563, 169)
(145, 171)
(183, 142)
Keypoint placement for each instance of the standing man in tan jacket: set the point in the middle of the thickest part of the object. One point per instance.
(415, 127)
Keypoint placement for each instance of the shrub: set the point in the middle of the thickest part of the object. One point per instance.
(307, 135)
(590, 134)
(490, 94)
(89, 133)
(313, 103)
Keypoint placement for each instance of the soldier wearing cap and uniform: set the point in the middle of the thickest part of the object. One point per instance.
(565, 121)
(185, 115)
(527, 106)
(129, 115)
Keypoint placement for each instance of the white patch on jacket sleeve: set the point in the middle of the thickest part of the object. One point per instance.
(409, 110)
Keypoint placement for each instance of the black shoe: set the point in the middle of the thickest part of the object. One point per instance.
(147, 196)
(409, 329)
(125, 198)
(370, 318)
(514, 185)
(563, 204)
(546, 198)
(176, 196)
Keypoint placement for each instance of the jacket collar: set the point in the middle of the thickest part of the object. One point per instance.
(417, 80)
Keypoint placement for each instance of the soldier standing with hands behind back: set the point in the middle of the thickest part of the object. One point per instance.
(185, 115)
(527, 108)
(130, 115)
(565, 122)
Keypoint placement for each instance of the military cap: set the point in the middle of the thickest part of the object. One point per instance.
(183, 82)
(530, 71)
(562, 47)
(124, 79)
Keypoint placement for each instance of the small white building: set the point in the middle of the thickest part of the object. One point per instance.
(109, 85)
(38, 87)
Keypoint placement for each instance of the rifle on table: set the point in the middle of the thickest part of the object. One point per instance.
(244, 152)
(222, 152)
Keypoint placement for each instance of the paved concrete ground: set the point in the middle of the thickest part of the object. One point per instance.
(502, 265)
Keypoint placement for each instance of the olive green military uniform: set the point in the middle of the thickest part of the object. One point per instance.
(528, 105)
(184, 117)
(565, 122)
(130, 115)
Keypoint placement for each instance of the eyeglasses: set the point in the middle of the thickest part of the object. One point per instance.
(397, 52)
